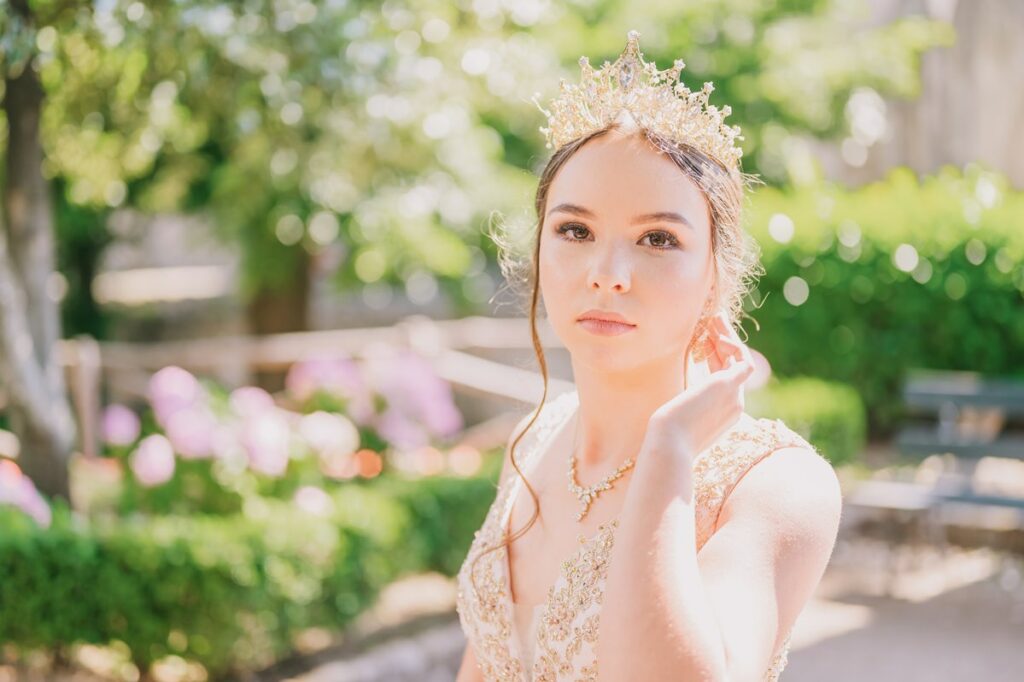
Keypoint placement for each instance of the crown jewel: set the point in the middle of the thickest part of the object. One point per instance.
(655, 99)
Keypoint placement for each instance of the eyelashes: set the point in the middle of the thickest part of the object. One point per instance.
(669, 240)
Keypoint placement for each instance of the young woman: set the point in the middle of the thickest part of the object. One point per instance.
(678, 537)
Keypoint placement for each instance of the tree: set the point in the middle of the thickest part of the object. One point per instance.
(29, 317)
(370, 138)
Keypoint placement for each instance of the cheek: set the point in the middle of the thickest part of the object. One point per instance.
(558, 259)
(675, 289)
(680, 273)
(554, 276)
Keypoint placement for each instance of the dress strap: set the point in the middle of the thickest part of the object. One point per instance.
(719, 469)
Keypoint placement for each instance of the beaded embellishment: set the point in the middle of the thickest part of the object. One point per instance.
(566, 635)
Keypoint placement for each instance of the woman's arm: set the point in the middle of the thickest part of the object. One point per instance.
(468, 671)
(720, 614)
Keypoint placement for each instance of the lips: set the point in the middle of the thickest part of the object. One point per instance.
(604, 322)
(604, 316)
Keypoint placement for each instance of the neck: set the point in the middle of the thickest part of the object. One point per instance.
(614, 409)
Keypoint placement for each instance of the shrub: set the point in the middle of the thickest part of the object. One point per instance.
(830, 415)
(227, 591)
(862, 284)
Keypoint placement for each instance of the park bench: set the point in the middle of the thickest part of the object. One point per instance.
(965, 418)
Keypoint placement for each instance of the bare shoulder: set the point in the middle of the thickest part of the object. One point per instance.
(795, 489)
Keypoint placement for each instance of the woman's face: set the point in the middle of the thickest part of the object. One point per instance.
(625, 231)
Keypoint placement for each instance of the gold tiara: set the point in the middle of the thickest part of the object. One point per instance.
(654, 99)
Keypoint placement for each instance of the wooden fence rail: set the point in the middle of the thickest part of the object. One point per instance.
(90, 364)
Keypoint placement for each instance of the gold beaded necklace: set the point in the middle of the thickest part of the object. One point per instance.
(589, 494)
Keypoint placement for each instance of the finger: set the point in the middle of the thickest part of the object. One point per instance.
(717, 327)
(734, 375)
(707, 346)
(728, 349)
(738, 371)
(711, 355)
(734, 379)
(737, 345)
(724, 344)
(716, 361)
(734, 347)
(744, 371)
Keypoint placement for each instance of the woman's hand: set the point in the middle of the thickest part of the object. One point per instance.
(694, 419)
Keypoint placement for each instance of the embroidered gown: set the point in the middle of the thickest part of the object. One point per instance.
(555, 641)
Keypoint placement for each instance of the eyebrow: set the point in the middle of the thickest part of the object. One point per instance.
(668, 216)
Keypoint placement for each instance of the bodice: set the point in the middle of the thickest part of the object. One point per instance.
(565, 633)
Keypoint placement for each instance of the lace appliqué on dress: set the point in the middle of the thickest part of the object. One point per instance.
(486, 614)
(566, 635)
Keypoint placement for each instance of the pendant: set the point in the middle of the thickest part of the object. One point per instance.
(587, 500)
(588, 495)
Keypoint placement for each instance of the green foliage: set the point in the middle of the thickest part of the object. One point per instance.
(376, 140)
(431, 501)
(230, 592)
(829, 415)
(787, 68)
(901, 273)
(198, 486)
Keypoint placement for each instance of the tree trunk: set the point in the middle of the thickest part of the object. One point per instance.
(278, 311)
(29, 316)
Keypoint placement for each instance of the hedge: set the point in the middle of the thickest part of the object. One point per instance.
(897, 274)
(229, 592)
(830, 415)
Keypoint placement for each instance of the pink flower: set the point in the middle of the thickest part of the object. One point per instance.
(225, 442)
(249, 401)
(313, 500)
(328, 432)
(10, 474)
(120, 425)
(153, 461)
(410, 386)
(17, 490)
(266, 440)
(172, 389)
(191, 431)
(396, 428)
(33, 504)
(339, 376)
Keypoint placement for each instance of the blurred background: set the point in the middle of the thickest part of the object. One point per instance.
(258, 358)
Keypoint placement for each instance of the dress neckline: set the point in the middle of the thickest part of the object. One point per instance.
(584, 541)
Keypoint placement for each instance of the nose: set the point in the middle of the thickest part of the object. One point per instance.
(611, 270)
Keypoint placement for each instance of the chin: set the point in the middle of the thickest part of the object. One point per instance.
(611, 353)
(606, 362)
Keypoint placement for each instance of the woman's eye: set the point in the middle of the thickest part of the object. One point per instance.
(662, 240)
(571, 228)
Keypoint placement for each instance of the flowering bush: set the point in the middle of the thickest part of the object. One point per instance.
(394, 393)
(200, 448)
(245, 542)
(18, 491)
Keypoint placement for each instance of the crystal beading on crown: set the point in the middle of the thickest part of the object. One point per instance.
(653, 98)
